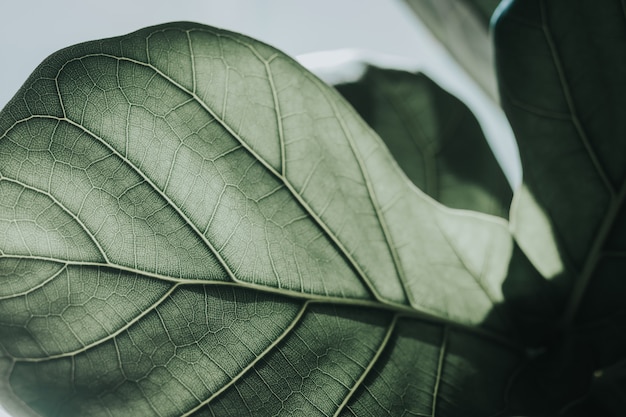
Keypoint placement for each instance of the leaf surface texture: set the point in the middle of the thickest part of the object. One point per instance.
(193, 224)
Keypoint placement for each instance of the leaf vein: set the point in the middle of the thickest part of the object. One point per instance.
(162, 194)
(442, 354)
(36, 287)
(401, 273)
(370, 365)
(62, 207)
(252, 364)
(594, 256)
(111, 336)
(273, 171)
(570, 103)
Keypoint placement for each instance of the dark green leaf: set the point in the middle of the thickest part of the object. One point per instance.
(433, 136)
(561, 67)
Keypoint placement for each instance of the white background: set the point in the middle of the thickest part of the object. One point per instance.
(31, 30)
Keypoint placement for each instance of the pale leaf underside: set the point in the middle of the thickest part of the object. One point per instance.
(192, 224)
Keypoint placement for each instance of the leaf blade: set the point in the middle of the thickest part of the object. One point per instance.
(181, 172)
(566, 112)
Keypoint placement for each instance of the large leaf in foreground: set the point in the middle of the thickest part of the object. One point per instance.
(561, 69)
(433, 136)
(192, 224)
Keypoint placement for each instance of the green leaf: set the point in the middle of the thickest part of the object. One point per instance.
(484, 8)
(433, 136)
(566, 115)
(561, 73)
(193, 224)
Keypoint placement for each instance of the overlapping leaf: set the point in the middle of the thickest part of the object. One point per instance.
(561, 71)
(192, 224)
(440, 146)
(433, 136)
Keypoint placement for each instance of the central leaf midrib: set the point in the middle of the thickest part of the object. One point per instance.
(401, 310)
